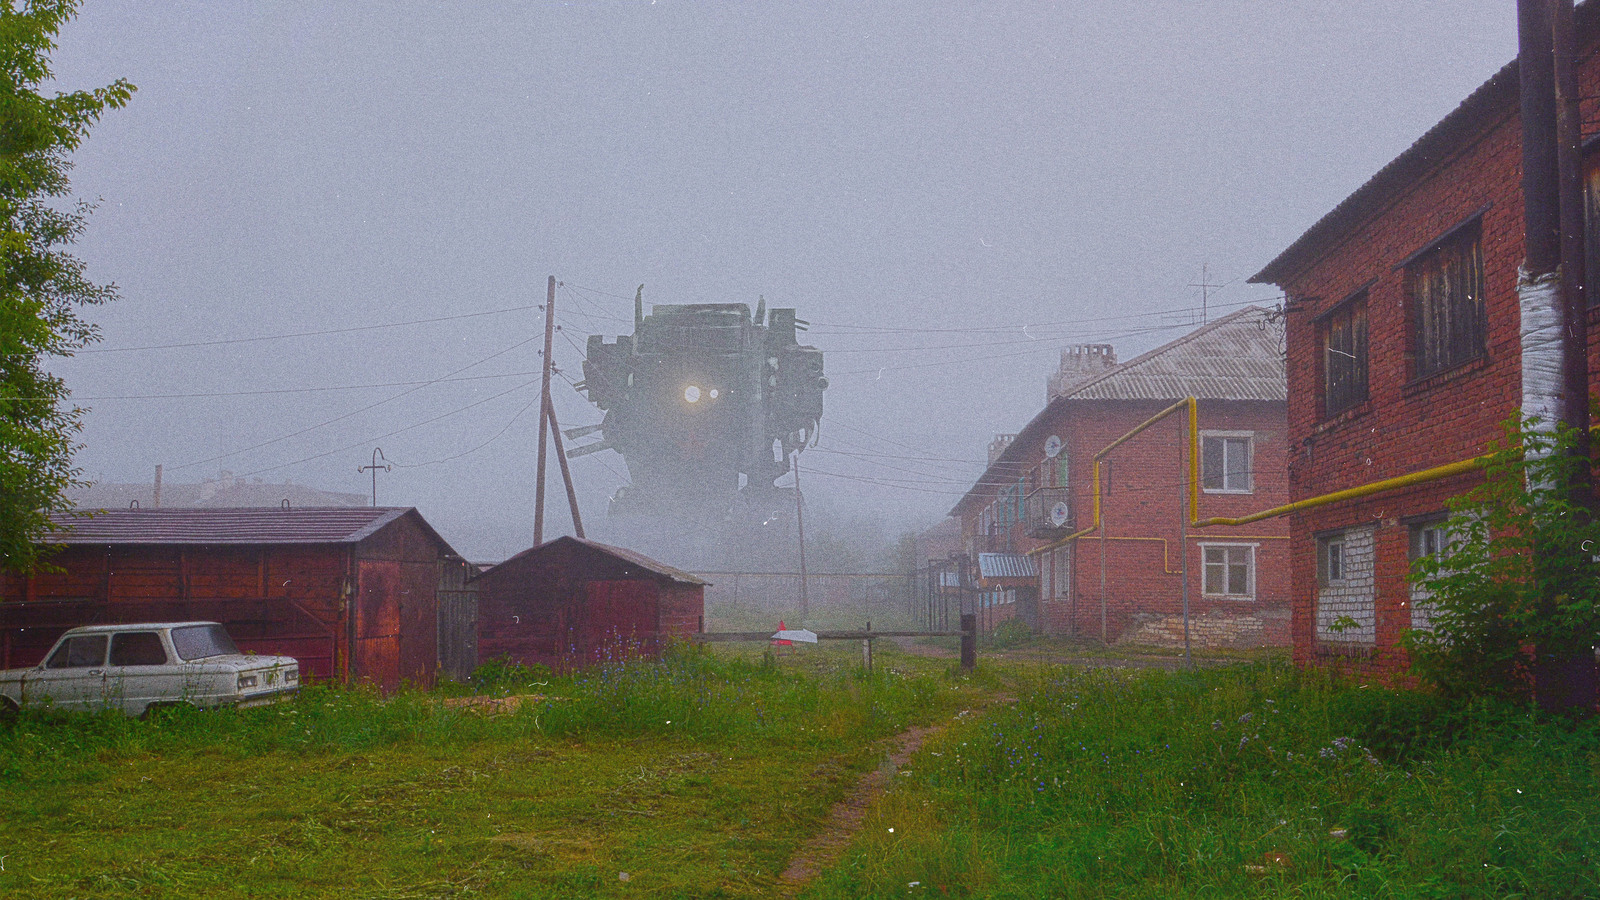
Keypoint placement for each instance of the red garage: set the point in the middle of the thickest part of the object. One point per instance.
(571, 602)
(352, 593)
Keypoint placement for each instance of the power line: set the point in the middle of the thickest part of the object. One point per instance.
(300, 334)
(356, 412)
(366, 441)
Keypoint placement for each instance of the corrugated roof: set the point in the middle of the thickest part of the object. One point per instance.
(1237, 357)
(256, 525)
(1006, 565)
(629, 556)
(1494, 100)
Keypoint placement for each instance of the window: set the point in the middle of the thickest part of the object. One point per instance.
(79, 652)
(1225, 462)
(137, 648)
(1229, 570)
(1330, 560)
(1446, 288)
(1344, 356)
(1347, 611)
(1062, 571)
(1427, 539)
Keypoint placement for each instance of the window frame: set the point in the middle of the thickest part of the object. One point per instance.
(1357, 328)
(1249, 439)
(1249, 563)
(1325, 545)
(1461, 312)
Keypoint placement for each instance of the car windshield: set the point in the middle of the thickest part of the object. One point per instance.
(201, 641)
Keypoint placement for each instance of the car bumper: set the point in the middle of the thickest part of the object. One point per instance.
(267, 698)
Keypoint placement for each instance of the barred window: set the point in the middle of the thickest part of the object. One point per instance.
(1446, 288)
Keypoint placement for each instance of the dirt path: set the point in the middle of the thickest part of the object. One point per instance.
(845, 818)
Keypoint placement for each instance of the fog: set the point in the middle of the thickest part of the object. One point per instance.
(948, 192)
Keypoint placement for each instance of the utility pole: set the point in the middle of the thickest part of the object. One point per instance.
(566, 472)
(544, 410)
(1550, 291)
(375, 468)
(1205, 287)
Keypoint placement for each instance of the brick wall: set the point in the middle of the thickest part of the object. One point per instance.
(1407, 424)
(1142, 507)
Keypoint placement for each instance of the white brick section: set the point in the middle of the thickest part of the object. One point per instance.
(1351, 598)
(1421, 608)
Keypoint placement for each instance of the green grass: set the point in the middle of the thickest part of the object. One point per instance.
(1254, 781)
(696, 776)
(701, 774)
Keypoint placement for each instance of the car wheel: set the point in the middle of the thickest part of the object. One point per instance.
(8, 707)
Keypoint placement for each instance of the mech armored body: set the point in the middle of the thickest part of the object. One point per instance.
(705, 402)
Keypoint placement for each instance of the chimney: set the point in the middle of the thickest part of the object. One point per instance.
(1079, 363)
(157, 499)
(999, 445)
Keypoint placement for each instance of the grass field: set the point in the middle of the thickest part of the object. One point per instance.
(701, 775)
(1251, 781)
(697, 776)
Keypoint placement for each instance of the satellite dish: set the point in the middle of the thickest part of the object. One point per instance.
(1052, 446)
(1059, 514)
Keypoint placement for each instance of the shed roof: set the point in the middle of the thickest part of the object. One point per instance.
(654, 567)
(253, 525)
(1236, 357)
(1006, 565)
(1494, 100)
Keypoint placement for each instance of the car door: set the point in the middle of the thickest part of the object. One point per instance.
(139, 672)
(72, 677)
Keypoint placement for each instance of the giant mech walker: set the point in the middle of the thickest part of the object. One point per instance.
(705, 402)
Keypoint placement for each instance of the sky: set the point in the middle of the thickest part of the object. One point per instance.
(949, 192)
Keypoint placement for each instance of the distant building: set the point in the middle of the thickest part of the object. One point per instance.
(1029, 553)
(223, 492)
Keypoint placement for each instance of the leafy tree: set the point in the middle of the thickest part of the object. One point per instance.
(1518, 586)
(42, 286)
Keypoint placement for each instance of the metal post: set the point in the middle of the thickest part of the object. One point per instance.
(377, 454)
(866, 649)
(544, 410)
(969, 641)
(800, 526)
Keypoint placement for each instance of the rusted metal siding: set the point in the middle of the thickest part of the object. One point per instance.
(458, 634)
(571, 603)
(376, 654)
(364, 609)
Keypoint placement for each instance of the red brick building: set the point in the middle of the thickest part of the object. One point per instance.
(571, 602)
(352, 593)
(1404, 353)
(1028, 521)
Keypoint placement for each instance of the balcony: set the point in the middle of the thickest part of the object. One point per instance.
(1048, 513)
(996, 540)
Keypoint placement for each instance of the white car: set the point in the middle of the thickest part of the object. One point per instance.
(136, 667)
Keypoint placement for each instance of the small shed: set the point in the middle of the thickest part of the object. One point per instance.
(571, 602)
(353, 593)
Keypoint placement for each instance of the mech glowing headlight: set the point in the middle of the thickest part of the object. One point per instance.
(691, 394)
(714, 393)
